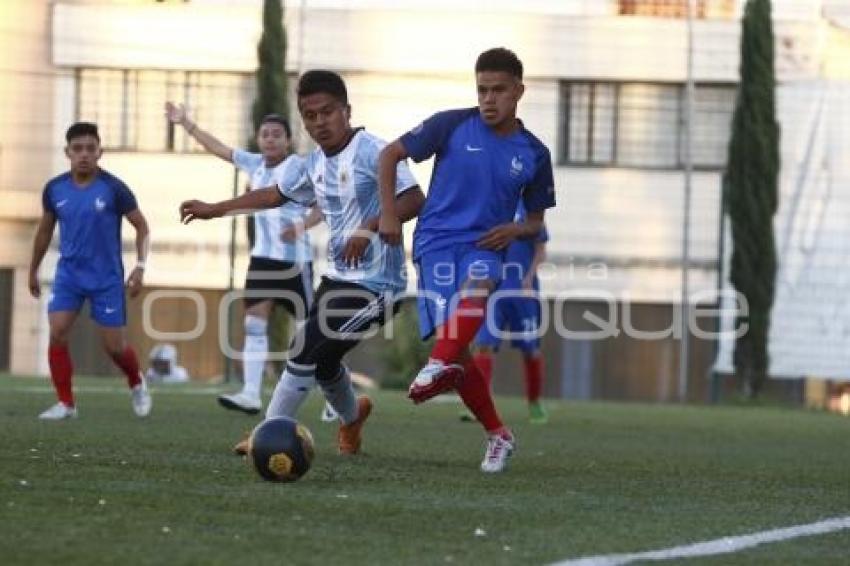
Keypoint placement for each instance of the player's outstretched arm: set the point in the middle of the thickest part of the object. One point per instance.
(135, 280)
(501, 236)
(43, 236)
(389, 226)
(177, 114)
(244, 204)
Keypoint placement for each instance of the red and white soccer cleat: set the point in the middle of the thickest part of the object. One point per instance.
(500, 447)
(435, 378)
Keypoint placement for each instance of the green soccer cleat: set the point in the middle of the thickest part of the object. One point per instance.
(537, 413)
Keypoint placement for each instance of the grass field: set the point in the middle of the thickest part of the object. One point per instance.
(599, 479)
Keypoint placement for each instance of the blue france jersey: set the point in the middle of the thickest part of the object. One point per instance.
(345, 186)
(270, 223)
(478, 177)
(520, 253)
(90, 226)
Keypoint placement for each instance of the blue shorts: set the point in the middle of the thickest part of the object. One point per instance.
(107, 303)
(516, 318)
(442, 274)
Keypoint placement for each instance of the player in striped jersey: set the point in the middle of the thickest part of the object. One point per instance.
(364, 275)
(280, 268)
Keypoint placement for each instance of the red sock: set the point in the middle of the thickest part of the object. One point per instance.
(533, 378)
(457, 333)
(129, 364)
(484, 362)
(61, 370)
(475, 393)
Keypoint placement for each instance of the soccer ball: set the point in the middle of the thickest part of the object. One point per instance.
(281, 449)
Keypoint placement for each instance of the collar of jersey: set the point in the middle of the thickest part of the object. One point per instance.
(347, 143)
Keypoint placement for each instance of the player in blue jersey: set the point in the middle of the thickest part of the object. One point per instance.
(364, 275)
(89, 204)
(281, 268)
(515, 310)
(486, 162)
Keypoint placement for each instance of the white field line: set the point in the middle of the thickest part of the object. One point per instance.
(723, 545)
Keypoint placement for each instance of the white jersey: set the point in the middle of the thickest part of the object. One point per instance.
(268, 224)
(345, 186)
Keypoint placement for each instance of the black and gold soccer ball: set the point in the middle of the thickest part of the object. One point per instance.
(281, 449)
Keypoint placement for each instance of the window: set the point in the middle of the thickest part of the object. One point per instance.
(724, 9)
(642, 124)
(127, 105)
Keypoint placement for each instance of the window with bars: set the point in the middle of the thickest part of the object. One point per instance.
(720, 9)
(127, 105)
(642, 124)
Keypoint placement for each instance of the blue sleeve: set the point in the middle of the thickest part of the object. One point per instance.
(431, 136)
(46, 203)
(125, 200)
(539, 194)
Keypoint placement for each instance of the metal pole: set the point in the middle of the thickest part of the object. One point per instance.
(228, 363)
(684, 354)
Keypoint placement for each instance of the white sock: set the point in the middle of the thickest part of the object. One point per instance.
(291, 391)
(255, 353)
(340, 396)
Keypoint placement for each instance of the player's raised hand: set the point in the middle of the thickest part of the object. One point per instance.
(196, 210)
(134, 282)
(389, 229)
(176, 113)
(35, 286)
(499, 237)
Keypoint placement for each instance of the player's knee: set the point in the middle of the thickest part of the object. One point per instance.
(255, 325)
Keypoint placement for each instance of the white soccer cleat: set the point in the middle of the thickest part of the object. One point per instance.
(499, 450)
(58, 412)
(435, 378)
(241, 402)
(329, 415)
(141, 400)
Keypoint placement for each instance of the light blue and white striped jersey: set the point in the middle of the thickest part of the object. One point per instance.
(345, 185)
(270, 223)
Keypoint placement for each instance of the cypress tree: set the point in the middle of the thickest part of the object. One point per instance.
(272, 98)
(272, 91)
(750, 185)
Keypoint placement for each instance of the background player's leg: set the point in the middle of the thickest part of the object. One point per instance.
(58, 356)
(533, 365)
(124, 356)
(256, 348)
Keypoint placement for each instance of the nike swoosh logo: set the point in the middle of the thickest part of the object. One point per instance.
(109, 310)
(61, 203)
(470, 148)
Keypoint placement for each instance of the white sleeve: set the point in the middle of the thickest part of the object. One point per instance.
(294, 183)
(404, 179)
(247, 161)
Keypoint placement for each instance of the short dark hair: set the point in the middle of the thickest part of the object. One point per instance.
(499, 59)
(80, 129)
(277, 119)
(321, 81)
